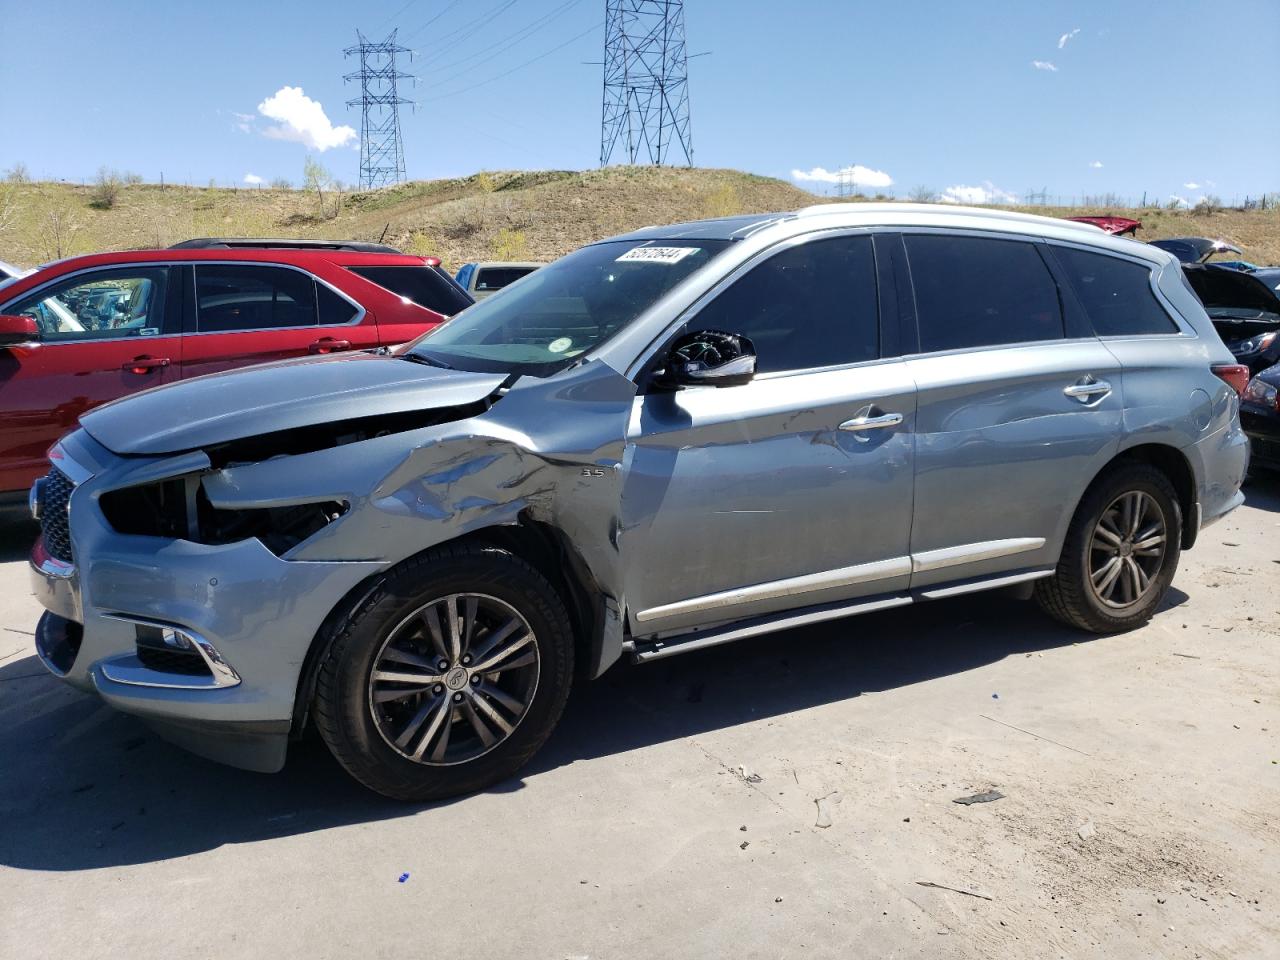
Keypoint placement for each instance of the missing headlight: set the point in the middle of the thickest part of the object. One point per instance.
(179, 509)
(279, 528)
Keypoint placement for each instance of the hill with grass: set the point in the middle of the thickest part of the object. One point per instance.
(490, 215)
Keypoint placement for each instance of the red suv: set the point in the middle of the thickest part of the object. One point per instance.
(83, 331)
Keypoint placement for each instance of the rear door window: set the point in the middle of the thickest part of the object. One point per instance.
(426, 286)
(232, 297)
(333, 308)
(1115, 293)
(979, 292)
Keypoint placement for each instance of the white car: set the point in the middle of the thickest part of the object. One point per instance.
(9, 272)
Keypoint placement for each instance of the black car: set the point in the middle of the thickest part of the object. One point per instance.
(1195, 249)
(1260, 417)
(1245, 310)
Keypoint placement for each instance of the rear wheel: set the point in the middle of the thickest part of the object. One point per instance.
(448, 677)
(1120, 554)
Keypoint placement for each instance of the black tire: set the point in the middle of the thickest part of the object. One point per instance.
(344, 708)
(1068, 595)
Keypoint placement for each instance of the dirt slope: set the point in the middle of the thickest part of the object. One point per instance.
(490, 215)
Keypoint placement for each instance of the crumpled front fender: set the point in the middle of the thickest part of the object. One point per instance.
(550, 450)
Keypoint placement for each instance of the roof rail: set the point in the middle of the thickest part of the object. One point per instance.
(237, 243)
(944, 209)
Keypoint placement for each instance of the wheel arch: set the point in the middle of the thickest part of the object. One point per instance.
(539, 544)
(1173, 463)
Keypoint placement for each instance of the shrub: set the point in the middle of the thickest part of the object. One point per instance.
(510, 245)
(106, 189)
(420, 244)
(485, 182)
(723, 201)
(1209, 203)
(18, 174)
(281, 183)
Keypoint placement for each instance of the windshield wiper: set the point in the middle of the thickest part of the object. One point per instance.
(420, 358)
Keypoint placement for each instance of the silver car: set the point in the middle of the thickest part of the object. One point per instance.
(663, 441)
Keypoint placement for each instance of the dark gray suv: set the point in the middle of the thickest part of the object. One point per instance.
(661, 442)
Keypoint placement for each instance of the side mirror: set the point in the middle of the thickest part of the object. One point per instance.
(709, 358)
(16, 331)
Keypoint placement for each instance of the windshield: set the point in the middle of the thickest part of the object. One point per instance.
(556, 314)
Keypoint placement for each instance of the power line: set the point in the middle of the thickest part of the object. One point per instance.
(476, 24)
(520, 66)
(396, 16)
(645, 106)
(498, 47)
(381, 152)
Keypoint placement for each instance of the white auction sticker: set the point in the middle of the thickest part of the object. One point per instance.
(656, 254)
(560, 346)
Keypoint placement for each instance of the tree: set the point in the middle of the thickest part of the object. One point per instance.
(18, 173)
(923, 194)
(315, 177)
(57, 225)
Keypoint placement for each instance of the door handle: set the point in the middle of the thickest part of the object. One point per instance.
(868, 419)
(328, 345)
(1086, 388)
(144, 364)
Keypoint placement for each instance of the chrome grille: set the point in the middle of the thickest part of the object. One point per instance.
(55, 494)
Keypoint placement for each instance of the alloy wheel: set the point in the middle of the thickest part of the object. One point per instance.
(1127, 549)
(454, 679)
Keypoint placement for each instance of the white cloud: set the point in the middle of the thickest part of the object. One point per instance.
(856, 175)
(1096, 165)
(1191, 185)
(252, 179)
(986, 192)
(1044, 65)
(1062, 40)
(302, 120)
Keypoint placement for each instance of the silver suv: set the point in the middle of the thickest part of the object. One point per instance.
(664, 441)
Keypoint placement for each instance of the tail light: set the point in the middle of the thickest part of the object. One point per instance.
(1235, 375)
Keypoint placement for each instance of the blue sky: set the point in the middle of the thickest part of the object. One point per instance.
(1170, 97)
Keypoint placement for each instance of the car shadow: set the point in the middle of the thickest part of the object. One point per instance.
(85, 787)
(16, 537)
(1263, 492)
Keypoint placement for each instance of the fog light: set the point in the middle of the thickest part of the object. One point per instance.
(162, 637)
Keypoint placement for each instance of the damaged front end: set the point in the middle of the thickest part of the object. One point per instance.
(195, 579)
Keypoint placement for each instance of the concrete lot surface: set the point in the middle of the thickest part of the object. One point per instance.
(677, 812)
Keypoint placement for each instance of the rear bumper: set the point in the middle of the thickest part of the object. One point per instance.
(1220, 463)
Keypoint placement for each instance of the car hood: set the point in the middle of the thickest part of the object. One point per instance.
(1223, 288)
(210, 410)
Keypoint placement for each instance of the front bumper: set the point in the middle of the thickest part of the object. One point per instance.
(258, 613)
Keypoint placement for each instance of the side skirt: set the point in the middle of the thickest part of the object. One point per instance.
(646, 649)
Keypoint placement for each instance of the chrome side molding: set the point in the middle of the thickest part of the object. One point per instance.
(845, 576)
(774, 589)
(972, 553)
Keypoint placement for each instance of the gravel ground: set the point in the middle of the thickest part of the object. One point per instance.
(787, 796)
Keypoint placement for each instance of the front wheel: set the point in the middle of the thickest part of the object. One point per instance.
(448, 677)
(1120, 554)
